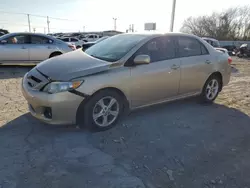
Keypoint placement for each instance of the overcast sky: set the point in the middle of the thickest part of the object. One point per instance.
(98, 14)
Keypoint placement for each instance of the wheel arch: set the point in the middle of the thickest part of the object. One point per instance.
(219, 75)
(55, 53)
(120, 92)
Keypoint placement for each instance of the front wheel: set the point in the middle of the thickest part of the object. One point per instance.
(211, 89)
(103, 110)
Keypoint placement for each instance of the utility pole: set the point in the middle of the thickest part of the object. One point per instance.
(29, 22)
(172, 16)
(132, 28)
(34, 29)
(115, 23)
(48, 22)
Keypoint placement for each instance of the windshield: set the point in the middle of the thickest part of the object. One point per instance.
(101, 39)
(114, 48)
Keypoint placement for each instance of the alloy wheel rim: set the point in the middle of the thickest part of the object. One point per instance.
(105, 111)
(212, 89)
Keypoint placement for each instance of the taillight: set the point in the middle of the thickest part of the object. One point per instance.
(73, 47)
(229, 60)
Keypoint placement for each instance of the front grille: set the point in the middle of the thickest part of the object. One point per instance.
(35, 80)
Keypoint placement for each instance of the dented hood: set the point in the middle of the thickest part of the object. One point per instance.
(72, 65)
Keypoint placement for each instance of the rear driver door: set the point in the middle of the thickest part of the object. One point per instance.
(196, 64)
(40, 48)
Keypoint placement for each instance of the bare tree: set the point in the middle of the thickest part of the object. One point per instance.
(232, 24)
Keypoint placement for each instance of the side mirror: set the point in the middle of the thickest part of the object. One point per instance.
(3, 42)
(142, 59)
(50, 41)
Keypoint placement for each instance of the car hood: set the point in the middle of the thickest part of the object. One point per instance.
(71, 65)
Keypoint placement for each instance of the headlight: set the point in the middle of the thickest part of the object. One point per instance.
(56, 87)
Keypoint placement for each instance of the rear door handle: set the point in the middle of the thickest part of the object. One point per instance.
(174, 67)
(207, 62)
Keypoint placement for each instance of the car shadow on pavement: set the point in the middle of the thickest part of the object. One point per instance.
(179, 144)
(7, 72)
(182, 144)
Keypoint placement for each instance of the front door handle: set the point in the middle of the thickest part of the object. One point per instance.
(207, 62)
(174, 67)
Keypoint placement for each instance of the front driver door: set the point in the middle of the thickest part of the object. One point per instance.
(159, 80)
(15, 50)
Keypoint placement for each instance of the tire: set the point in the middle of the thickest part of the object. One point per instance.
(93, 107)
(54, 54)
(213, 86)
(78, 47)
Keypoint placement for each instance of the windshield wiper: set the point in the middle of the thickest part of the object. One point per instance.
(103, 58)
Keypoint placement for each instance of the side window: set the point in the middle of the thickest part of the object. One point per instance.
(39, 40)
(18, 39)
(65, 39)
(73, 40)
(189, 47)
(204, 50)
(158, 49)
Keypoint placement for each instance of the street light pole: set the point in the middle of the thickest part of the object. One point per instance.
(48, 22)
(172, 16)
(115, 23)
(29, 22)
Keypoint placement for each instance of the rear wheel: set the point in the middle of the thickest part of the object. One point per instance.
(77, 47)
(103, 110)
(211, 89)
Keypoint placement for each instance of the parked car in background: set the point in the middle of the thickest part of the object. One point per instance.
(232, 49)
(72, 40)
(126, 71)
(25, 48)
(244, 51)
(2, 33)
(86, 45)
(90, 37)
(215, 43)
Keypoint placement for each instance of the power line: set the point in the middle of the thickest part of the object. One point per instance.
(36, 15)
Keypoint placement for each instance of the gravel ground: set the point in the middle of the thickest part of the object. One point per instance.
(179, 144)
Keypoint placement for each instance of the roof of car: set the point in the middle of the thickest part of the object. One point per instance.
(154, 34)
(208, 38)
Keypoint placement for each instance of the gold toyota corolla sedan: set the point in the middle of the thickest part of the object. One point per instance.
(127, 71)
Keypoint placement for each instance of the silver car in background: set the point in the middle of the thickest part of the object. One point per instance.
(30, 48)
(215, 43)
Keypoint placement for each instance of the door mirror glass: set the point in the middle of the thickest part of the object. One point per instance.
(3, 41)
(142, 59)
(50, 41)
